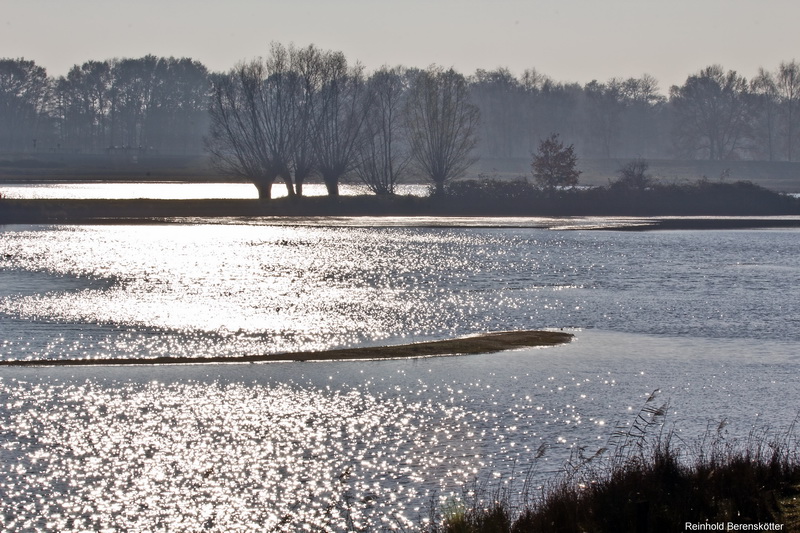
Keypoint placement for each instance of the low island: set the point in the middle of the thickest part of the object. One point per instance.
(488, 343)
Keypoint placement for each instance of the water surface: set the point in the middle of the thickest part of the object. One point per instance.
(709, 318)
(170, 190)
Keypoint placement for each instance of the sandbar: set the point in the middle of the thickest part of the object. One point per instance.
(479, 344)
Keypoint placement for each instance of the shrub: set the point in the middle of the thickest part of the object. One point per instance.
(555, 165)
(633, 176)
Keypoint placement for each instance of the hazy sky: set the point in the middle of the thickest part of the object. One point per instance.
(569, 40)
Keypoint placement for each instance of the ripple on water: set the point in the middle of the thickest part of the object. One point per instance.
(249, 447)
(228, 290)
(188, 456)
(239, 454)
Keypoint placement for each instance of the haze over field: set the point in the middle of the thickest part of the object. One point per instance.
(569, 41)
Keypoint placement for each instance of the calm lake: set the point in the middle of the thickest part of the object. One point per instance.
(711, 318)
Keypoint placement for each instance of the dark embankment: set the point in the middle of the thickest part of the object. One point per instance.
(489, 343)
(470, 198)
(140, 210)
(463, 198)
(700, 198)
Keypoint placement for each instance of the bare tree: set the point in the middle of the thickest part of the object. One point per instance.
(642, 118)
(276, 109)
(306, 63)
(343, 105)
(713, 112)
(787, 82)
(300, 110)
(767, 112)
(442, 124)
(257, 116)
(384, 154)
(237, 139)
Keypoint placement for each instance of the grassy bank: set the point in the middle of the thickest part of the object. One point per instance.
(655, 482)
(486, 198)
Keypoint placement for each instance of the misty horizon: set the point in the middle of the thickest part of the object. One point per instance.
(161, 105)
(577, 41)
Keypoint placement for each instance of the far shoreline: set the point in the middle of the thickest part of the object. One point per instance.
(480, 344)
(373, 210)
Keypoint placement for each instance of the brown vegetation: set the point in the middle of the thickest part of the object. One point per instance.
(646, 480)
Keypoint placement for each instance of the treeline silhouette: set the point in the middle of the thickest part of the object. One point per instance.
(304, 111)
(161, 104)
(112, 106)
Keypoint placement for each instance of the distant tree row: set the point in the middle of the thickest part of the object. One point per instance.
(141, 104)
(163, 103)
(715, 114)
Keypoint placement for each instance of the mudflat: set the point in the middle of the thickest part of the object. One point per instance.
(488, 343)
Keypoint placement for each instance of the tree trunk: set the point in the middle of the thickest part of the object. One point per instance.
(789, 134)
(332, 185)
(299, 179)
(287, 179)
(264, 190)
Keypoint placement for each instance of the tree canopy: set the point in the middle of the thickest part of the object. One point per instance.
(555, 165)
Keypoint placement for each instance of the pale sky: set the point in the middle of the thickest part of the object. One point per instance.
(568, 40)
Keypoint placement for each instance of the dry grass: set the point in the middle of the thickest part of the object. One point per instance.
(789, 505)
(647, 480)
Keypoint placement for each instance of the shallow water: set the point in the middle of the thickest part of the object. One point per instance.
(239, 447)
(170, 190)
(141, 291)
(709, 318)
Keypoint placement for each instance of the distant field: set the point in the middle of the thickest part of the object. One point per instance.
(777, 176)
(122, 167)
